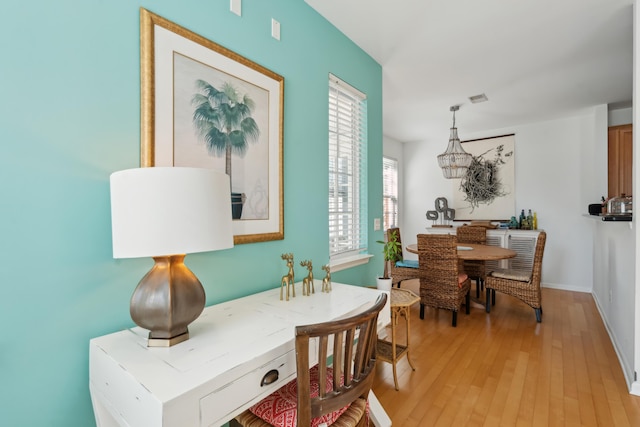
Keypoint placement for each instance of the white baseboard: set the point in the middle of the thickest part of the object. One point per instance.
(625, 367)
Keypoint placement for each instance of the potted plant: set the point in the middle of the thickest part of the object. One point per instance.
(392, 251)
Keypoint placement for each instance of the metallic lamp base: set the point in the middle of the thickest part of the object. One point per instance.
(167, 342)
(167, 300)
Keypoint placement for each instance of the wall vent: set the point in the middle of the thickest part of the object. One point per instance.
(478, 98)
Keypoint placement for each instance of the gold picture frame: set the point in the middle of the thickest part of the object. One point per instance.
(188, 85)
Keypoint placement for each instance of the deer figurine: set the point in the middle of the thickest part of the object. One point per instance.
(307, 282)
(287, 279)
(326, 280)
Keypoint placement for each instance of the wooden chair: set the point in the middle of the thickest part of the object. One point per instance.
(476, 270)
(406, 269)
(338, 392)
(522, 284)
(441, 285)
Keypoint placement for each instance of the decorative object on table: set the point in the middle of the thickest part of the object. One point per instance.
(288, 279)
(530, 220)
(165, 213)
(522, 220)
(454, 161)
(484, 224)
(307, 282)
(392, 251)
(443, 212)
(326, 280)
(432, 215)
(487, 191)
(527, 221)
(201, 103)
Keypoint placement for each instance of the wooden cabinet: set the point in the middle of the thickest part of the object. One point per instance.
(620, 164)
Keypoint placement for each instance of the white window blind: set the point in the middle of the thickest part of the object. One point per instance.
(389, 192)
(347, 169)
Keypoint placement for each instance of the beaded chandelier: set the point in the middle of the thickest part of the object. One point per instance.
(455, 161)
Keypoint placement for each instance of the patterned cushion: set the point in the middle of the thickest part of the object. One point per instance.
(461, 278)
(351, 417)
(518, 275)
(409, 263)
(279, 408)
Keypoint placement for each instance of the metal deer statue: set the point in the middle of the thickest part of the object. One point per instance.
(326, 281)
(287, 279)
(307, 282)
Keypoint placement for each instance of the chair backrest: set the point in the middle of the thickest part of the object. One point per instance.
(471, 234)
(397, 232)
(536, 273)
(354, 342)
(438, 258)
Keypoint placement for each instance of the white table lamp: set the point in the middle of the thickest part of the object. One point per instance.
(165, 213)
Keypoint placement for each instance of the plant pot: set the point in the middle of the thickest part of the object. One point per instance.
(237, 201)
(383, 284)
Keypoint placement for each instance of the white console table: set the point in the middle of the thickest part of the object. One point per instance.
(216, 374)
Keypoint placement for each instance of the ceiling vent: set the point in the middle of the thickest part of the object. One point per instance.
(478, 98)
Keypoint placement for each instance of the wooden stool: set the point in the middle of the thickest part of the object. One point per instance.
(401, 302)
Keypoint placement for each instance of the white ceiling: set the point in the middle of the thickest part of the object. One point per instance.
(534, 59)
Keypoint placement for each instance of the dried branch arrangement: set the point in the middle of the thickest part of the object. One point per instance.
(481, 183)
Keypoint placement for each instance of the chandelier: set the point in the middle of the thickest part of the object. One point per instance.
(455, 161)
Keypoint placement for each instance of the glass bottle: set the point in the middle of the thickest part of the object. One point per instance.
(535, 221)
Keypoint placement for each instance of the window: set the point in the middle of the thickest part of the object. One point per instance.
(347, 169)
(389, 192)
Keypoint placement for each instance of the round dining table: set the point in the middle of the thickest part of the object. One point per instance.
(476, 252)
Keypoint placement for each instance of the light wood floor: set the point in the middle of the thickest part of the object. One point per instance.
(505, 369)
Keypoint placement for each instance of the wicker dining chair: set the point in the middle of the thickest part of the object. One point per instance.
(441, 285)
(401, 269)
(334, 391)
(476, 270)
(522, 284)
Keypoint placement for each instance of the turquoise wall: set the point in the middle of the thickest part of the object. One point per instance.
(70, 116)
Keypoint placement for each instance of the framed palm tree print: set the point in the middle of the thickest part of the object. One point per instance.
(206, 106)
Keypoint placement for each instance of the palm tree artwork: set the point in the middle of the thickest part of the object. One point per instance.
(222, 119)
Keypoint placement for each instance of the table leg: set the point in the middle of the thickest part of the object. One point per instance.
(407, 317)
(394, 355)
